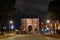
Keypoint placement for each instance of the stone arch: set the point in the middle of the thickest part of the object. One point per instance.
(35, 29)
(29, 28)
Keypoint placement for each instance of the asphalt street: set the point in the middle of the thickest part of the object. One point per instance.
(29, 37)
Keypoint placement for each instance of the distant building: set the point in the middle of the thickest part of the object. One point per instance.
(30, 25)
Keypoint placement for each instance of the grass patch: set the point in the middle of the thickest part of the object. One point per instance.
(7, 36)
(54, 35)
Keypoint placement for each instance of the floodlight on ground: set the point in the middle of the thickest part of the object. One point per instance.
(12, 27)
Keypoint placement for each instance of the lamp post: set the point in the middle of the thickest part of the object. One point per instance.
(10, 24)
(48, 25)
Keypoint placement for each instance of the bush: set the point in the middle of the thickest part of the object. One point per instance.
(58, 31)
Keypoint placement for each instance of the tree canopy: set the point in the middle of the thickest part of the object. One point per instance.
(6, 7)
(54, 8)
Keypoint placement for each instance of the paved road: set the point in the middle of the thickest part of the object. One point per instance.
(29, 37)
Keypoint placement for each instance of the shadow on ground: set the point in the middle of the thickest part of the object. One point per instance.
(54, 36)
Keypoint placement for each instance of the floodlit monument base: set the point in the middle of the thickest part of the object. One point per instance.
(30, 25)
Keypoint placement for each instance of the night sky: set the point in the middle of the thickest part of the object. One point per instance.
(31, 8)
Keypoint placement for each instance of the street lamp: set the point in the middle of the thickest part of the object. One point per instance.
(11, 26)
(48, 21)
(11, 22)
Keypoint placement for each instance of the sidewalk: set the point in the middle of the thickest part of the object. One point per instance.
(6, 35)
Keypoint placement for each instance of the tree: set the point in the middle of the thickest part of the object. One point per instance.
(54, 7)
(6, 7)
(51, 16)
(6, 10)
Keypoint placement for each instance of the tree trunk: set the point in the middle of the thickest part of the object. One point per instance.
(1, 27)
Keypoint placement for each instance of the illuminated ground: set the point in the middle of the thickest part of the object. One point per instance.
(29, 37)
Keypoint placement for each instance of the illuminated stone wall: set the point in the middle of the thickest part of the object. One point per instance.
(33, 22)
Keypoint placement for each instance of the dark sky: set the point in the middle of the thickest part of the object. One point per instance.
(36, 8)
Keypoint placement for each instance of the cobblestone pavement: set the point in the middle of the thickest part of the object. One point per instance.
(29, 37)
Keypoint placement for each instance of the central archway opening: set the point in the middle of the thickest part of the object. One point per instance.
(29, 28)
